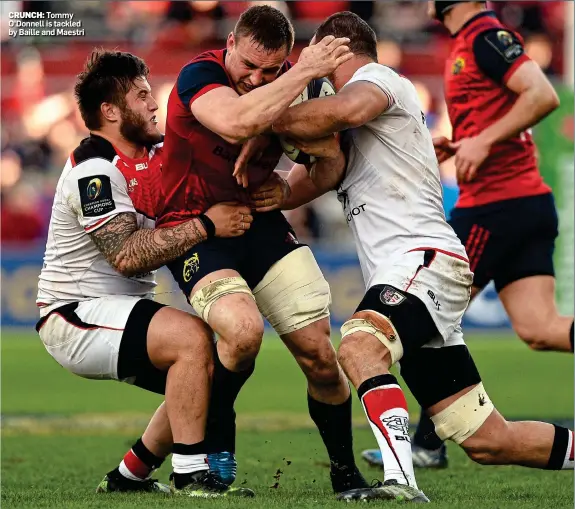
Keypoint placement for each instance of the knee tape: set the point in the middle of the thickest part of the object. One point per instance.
(377, 325)
(293, 293)
(204, 298)
(464, 417)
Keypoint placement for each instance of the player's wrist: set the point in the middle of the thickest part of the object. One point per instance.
(303, 71)
(207, 225)
(286, 189)
(486, 139)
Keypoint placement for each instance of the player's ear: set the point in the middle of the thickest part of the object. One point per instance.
(230, 42)
(110, 112)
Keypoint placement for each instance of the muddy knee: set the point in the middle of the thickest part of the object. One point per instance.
(320, 365)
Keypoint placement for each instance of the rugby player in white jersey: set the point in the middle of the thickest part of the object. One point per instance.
(415, 269)
(98, 319)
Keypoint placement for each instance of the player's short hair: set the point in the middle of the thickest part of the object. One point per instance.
(266, 26)
(363, 40)
(107, 77)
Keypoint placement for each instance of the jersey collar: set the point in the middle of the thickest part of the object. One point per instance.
(469, 22)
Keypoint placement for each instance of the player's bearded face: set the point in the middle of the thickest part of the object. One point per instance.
(137, 129)
(250, 66)
(138, 115)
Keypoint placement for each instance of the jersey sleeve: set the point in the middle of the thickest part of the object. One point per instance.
(197, 78)
(384, 77)
(498, 53)
(97, 192)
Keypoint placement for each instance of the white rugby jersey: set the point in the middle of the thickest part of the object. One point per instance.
(98, 182)
(391, 192)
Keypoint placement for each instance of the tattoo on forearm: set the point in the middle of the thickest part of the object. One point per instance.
(136, 251)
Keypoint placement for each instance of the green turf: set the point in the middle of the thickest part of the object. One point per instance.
(60, 457)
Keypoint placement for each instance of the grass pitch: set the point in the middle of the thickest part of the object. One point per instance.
(61, 434)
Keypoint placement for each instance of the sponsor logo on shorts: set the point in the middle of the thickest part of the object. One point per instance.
(434, 299)
(191, 266)
(391, 296)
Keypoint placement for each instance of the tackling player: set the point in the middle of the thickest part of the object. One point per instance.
(222, 98)
(415, 268)
(98, 319)
(505, 215)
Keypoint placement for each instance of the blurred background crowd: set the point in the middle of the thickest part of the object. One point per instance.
(40, 124)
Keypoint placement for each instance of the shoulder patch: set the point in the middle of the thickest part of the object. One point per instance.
(96, 195)
(505, 43)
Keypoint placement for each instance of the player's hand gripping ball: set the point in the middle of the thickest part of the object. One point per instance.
(316, 88)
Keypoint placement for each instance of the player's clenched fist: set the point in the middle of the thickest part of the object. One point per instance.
(230, 219)
(443, 148)
(272, 194)
(323, 57)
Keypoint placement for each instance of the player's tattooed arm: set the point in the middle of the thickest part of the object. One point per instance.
(133, 251)
(354, 105)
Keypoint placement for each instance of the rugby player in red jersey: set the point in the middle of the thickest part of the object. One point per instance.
(505, 215)
(222, 98)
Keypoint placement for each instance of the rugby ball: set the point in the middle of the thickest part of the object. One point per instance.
(315, 88)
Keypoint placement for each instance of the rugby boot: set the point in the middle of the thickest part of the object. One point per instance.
(346, 478)
(422, 458)
(389, 490)
(116, 482)
(426, 458)
(205, 484)
(224, 466)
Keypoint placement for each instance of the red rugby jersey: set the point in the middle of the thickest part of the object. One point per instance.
(198, 164)
(484, 56)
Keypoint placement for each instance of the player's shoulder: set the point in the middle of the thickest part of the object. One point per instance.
(93, 156)
(488, 28)
(380, 72)
(208, 59)
(205, 69)
(93, 148)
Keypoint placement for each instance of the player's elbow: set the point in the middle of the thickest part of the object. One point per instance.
(546, 98)
(552, 100)
(124, 265)
(125, 269)
(237, 133)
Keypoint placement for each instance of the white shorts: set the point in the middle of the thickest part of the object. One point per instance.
(84, 337)
(441, 280)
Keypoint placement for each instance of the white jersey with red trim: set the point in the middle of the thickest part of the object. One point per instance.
(391, 192)
(97, 183)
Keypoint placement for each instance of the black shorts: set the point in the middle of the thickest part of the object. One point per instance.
(133, 358)
(508, 240)
(269, 239)
(432, 374)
